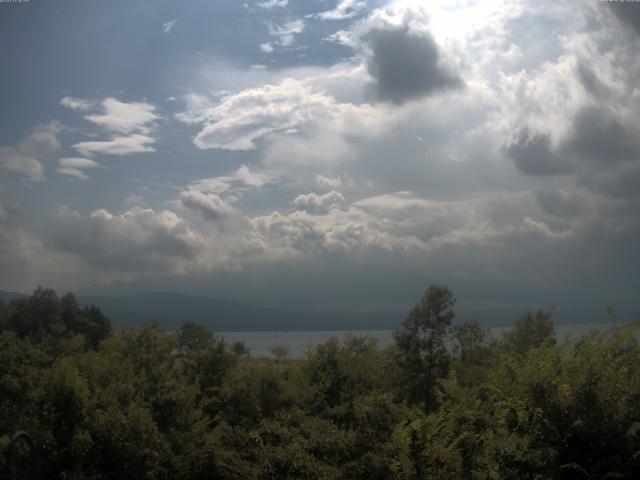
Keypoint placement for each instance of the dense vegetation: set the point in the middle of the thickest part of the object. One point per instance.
(441, 403)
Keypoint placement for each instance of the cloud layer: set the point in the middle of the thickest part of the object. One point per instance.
(477, 141)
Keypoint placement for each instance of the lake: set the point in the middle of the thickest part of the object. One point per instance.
(298, 342)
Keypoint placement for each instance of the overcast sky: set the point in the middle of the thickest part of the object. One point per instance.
(340, 154)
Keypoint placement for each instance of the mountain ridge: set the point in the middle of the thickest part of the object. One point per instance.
(171, 310)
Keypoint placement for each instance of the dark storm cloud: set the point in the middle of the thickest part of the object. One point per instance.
(406, 66)
(560, 204)
(598, 136)
(622, 183)
(597, 139)
(590, 81)
(135, 241)
(628, 13)
(533, 155)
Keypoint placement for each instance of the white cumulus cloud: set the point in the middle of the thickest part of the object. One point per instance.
(74, 167)
(123, 145)
(286, 32)
(25, 159)
(168, 26)
(344, 9)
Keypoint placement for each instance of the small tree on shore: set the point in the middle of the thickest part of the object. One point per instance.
(280, 352)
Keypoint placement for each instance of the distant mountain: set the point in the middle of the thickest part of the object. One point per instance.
(6, 297)
(172, 310)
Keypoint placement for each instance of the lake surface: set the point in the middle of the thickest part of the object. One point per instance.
(299, 342)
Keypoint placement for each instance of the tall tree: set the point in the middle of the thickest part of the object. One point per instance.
(530, 331)
(422, 353)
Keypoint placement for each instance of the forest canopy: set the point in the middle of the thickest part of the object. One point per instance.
(442, 402)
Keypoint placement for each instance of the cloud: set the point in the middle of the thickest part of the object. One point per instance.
(342, 37)
(128, 124)
(315, 202)
(78, 104)
(209, 205)
(136, 241)
(27, 262)
(251, 178)
(533, 154)
(74, 162)
(124, 145)
(300, 233)
(168, 26)
(73, 167)
(596, 137)
(590, 81)
(600, 137)
(242, 120)
(345, 9)
(121, 117)
(286, 33)
(25, 158)
(414, 227)
(40, 143)
(266, 47)
(406, 65)
(235, 182)
(548, 89)
(328, 182)
(73, 172)
(215, 185)
(15, 162)
(3, 213)
(272, 3)
(627, 12)
(566, 204)
(620, 183)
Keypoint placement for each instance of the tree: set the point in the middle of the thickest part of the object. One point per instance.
(240, 349)
(95, 325)
(471, 338)
(421, 345)
(45, 317)
(194, 336)
(34, 317)
(530, 331)
(281, 352)
(473, 352)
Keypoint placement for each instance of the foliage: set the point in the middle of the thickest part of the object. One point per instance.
(422, 354)
(153, 404)
(46, 318)
(531, 330)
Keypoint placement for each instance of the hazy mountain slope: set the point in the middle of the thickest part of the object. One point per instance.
(6, 297)
(174, 309)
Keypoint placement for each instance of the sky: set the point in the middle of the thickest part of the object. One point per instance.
(327, 154)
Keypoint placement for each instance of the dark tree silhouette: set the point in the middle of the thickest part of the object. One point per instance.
(421, 345)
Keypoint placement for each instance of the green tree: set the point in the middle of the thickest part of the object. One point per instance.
(530, 331)
(474, 350)
(338, 373)
(280, 352)
(94, 325)
(36, 316)
(422, 354)
(240, 349)
(194, 336)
